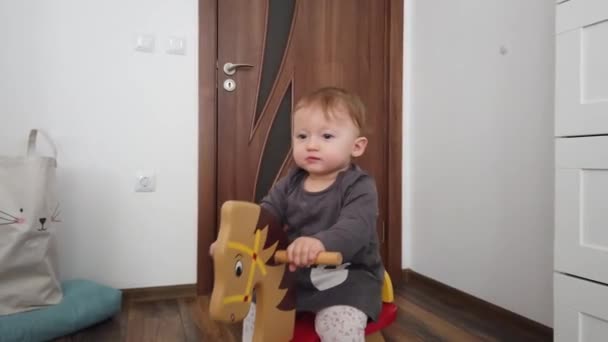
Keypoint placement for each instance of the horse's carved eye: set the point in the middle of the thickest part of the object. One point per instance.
(238, 268)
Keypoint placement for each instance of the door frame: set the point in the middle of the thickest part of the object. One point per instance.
(207, 139)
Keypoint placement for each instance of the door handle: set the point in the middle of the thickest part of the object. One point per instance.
(230, 68)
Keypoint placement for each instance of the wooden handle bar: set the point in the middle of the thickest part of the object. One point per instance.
(324, 258)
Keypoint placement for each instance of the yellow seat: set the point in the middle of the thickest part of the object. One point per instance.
(387, 289)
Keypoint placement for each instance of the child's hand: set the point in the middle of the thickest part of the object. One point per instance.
(212, 248)
(303, 251)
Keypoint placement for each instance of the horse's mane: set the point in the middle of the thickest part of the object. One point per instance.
(277, 234)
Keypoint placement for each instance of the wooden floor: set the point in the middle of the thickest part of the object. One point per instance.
(426, 313)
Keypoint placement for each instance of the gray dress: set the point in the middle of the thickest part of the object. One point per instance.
(343, 217)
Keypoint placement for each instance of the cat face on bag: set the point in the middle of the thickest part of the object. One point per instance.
(20, 219)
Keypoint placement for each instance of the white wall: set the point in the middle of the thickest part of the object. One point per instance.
(69, 67)
(478, 187)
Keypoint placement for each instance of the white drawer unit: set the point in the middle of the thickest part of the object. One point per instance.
(581, 310)
(581, 207)
(581, 92)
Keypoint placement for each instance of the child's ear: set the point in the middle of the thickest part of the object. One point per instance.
(359, 146)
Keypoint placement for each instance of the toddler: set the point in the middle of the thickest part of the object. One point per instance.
(328, 203)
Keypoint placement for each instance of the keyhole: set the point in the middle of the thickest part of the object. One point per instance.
(229, 84)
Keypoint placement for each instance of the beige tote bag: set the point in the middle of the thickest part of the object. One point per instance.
(28, 215)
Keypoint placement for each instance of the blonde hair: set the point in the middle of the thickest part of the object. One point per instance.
(332, 99)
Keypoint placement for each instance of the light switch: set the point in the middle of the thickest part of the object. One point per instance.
(176, 46)
(144, 43)
(145, 181)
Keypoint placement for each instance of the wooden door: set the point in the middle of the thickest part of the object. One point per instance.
(294, 48)
(287, 48)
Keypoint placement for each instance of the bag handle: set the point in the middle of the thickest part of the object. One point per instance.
(31, 144)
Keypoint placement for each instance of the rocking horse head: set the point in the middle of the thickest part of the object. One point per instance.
(243, 261)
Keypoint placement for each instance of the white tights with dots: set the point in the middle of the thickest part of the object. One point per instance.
(340, 323)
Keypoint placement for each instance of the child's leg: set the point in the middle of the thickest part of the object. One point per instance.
(248, 324)
(341, 323)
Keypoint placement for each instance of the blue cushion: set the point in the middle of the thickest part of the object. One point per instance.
(84, 303)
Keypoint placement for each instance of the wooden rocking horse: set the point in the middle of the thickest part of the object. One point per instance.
(250, 254)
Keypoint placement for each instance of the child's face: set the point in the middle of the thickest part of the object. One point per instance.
(324, 146)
